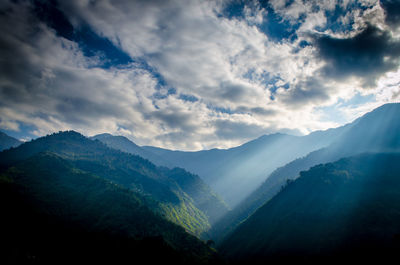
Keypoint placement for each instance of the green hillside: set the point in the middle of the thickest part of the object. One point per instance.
(129, 171)
(53, 212)
(203, 197)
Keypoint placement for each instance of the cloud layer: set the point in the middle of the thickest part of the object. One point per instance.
(194, 75)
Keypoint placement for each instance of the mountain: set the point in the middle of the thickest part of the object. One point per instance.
(234, 173)
(7, 142)
(377, 131)
(124, 144)
(165, 196)
(56, 213)
(203, 197)
(346, 210)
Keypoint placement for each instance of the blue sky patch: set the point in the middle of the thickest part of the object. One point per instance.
(90, 42)
(189, 98)
(333, 113)
(24, 132)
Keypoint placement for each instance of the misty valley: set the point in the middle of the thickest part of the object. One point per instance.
(330, 196)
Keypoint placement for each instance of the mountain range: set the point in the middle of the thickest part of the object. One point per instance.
(322, 197)
(377, 131)
(134, 173)
(81, 186)
(232, 173)
(205, 199)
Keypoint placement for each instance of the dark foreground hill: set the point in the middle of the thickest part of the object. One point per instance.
(343, 211)
(166, 197)
(55, 213)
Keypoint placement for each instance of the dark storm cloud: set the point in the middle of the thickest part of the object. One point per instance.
(368, 55)
(19, 73)
(392, 12)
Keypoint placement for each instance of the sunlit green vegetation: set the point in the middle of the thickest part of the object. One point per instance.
(56, 213)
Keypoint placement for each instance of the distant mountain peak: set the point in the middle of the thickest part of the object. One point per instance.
(108, 136)
(67, 133)
(70, 135)
(273, 135)
(390, 105)
(101, 136)
(7, 141)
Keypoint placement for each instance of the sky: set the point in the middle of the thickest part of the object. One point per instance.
(194, 75)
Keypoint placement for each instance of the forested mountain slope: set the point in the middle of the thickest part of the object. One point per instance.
(347, 209)
(204, 198)
(55, 213)
(130, 171)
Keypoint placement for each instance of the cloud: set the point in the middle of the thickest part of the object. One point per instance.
(392, 12)
(263, 111)
(188, 76)
(47, 81)
(305, 92)
(367, 55)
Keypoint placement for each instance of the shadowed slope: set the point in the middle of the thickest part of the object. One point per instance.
(350, 208)
(54, 213)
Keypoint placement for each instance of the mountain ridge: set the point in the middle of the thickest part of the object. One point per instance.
(234, 173)
(204, 198)
(356, 138)
(131, 171)
(7, 141)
